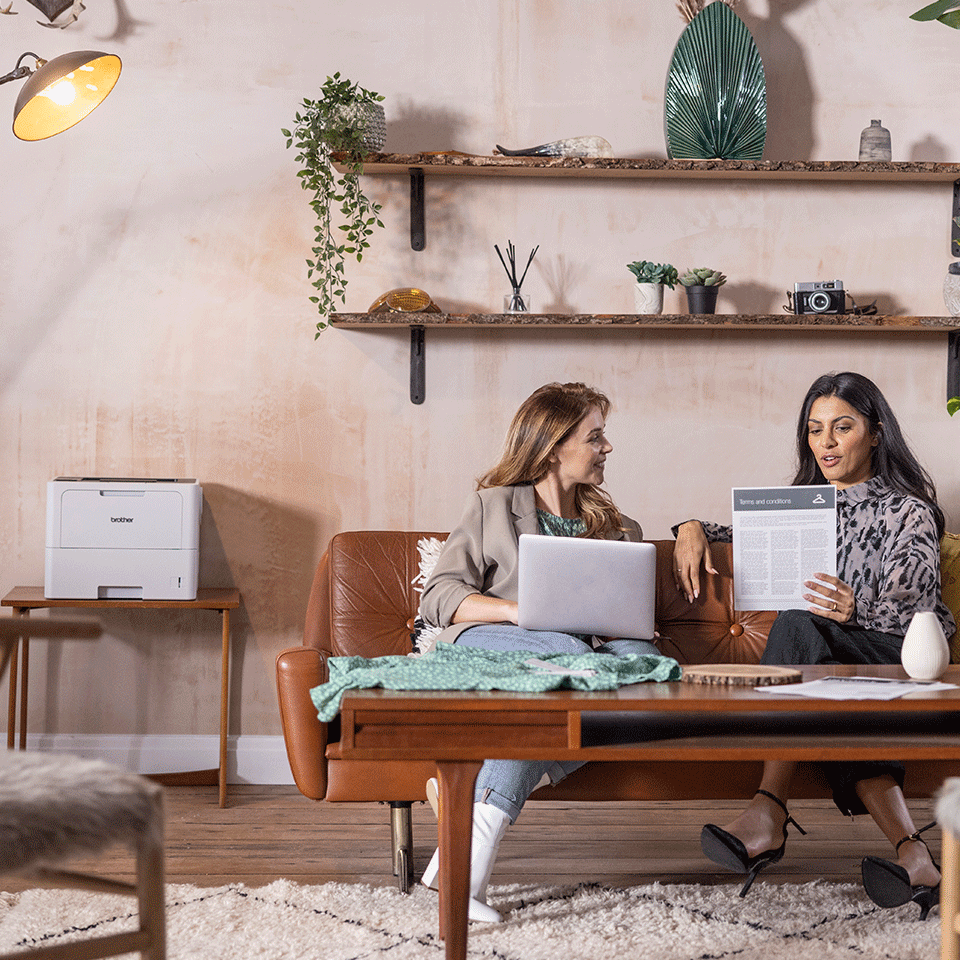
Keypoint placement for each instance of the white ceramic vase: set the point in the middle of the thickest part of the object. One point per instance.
(925, 653)
(648, 297)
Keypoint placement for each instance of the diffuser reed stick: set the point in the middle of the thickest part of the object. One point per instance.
(515, 301)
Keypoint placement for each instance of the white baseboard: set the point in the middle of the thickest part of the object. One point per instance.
(250, 759)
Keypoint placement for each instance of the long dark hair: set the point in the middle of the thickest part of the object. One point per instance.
(892, 459)
(547, 417)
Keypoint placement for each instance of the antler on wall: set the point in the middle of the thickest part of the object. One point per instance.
(52, 9)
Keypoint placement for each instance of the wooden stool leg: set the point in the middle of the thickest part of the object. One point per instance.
(949, 896)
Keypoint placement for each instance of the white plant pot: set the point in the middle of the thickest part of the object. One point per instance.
(648, 297)
(925, 653)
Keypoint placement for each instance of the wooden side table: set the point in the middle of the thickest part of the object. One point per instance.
(25, 599)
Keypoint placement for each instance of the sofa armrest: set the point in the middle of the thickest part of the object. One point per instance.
(299, 669)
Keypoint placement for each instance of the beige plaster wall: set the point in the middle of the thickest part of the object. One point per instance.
(154, 306)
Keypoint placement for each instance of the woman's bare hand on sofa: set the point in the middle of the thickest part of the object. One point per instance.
(691, 550)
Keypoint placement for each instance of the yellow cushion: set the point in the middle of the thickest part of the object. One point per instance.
(950, 585)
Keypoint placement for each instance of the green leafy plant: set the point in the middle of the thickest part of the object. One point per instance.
(648, 272)
(943, 10)
(334, 124)
(703, 277)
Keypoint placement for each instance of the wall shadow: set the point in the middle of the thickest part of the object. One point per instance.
(263, 547)
(790, 130)
(415, 128)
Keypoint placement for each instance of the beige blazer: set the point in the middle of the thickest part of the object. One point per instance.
(481, 555)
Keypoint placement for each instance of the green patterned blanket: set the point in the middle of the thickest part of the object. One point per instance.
(449, 667)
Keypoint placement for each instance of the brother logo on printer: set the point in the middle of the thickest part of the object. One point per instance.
(121, 519)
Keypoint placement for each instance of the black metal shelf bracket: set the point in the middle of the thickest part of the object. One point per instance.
(418, 362)
(418, 222)
(953, 364)
(954, 227)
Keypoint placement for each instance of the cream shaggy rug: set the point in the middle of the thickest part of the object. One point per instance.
(284, 921)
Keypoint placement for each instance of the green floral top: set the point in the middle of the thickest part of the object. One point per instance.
(554, 526)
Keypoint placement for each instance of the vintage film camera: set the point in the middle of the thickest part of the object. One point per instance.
(825, 296)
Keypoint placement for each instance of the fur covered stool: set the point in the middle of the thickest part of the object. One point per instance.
(54, 808)
(948, 816)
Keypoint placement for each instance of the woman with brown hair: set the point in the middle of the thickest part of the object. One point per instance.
(547, 482)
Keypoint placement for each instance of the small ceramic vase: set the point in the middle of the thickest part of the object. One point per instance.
(648, 297)
(875, 142)
(925, 653)
(372, 118)
(951, 289)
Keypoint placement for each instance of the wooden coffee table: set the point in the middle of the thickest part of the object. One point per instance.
(682, 721)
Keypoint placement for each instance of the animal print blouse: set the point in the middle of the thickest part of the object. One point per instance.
(887, 552)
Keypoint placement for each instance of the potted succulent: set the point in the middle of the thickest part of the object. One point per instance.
(348, 121)
(702, 285)
(651, 278)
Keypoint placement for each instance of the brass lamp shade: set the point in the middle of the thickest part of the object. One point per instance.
(62, 92)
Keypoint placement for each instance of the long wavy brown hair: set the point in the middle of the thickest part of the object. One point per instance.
(547, 417)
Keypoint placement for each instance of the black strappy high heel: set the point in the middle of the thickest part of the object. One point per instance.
(724, 848)
(888, 884)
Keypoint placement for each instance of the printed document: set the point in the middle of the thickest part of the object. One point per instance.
(858, 688)
(782, 536)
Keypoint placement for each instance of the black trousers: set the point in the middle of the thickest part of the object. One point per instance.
(798, 637)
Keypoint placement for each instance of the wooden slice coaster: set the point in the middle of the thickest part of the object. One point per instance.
(740, 674)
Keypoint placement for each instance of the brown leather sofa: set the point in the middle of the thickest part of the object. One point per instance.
(363, 603)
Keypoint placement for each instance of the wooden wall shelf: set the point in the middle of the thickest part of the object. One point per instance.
(682, 321)
(464, 165)
(456, 164)
(417, 165)
(716, 322)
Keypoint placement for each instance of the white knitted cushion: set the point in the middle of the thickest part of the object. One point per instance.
(53, 807)
(429, 549)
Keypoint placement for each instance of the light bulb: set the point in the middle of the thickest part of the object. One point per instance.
(61, 93)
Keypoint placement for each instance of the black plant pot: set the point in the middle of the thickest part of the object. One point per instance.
(701, 299)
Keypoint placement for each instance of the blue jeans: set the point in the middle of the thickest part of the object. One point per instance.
(506, 784)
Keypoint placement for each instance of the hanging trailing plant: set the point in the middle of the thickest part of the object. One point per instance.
(347, 120)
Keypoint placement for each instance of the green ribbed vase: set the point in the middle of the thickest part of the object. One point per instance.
(715, 102)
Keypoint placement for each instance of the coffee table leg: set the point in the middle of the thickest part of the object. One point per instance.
(456, 803)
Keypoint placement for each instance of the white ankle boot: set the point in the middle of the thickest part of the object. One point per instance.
(489, 825)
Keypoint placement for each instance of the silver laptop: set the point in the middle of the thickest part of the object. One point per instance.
(605, 588)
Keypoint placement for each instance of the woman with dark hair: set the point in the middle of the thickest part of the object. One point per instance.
(547, 482)
(888, 567)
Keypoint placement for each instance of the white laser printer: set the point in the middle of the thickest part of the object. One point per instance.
(119, 539)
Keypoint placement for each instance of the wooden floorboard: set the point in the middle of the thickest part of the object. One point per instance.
(269, 832)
